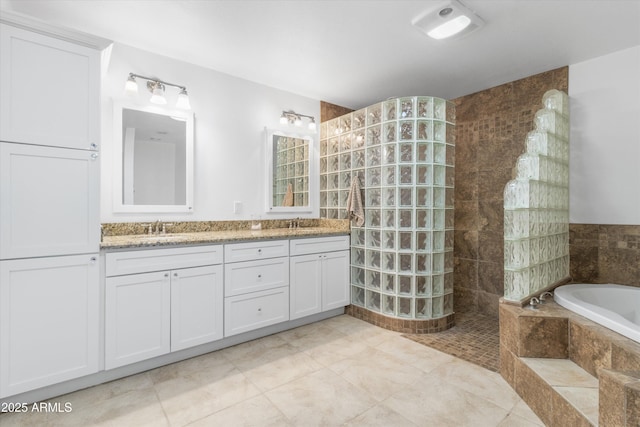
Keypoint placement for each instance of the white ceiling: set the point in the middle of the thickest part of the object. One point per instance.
(355, 52)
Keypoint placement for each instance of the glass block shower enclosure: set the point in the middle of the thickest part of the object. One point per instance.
(402, 152)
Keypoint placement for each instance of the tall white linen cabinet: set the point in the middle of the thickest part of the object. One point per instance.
(49, 206)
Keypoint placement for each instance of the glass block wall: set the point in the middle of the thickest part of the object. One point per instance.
(402, 152)
(536, 205)
(292, 159)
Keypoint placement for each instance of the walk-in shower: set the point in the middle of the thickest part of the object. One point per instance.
(402, 152)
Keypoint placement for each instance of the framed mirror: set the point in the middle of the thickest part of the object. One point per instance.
(290, 168)
(153, 160)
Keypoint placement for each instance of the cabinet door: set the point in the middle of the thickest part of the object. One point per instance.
(49, 324)
(197, 303)
(335, 280)
(137, 318)
(48, 201)
(305, 285)
(61, 109)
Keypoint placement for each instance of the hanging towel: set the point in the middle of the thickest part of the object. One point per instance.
(354, 203)
(288, 197)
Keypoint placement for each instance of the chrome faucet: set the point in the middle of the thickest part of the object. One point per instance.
(545, 295)
(534, 303)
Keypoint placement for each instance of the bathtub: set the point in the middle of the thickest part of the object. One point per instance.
(616, 307)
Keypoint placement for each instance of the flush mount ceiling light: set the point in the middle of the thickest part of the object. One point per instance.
(295, 119)
(449, 20)
(157, 89)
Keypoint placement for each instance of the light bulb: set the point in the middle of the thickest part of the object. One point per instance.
(131, 86)
(450, 28)
(183, 100)
(157, 96)
(283, 119)
(312, 124)
(298, 121)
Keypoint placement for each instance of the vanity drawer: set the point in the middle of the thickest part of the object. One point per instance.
(318, 245)
(243, 313)
(236, 252)
(252, 276)
(133, 262)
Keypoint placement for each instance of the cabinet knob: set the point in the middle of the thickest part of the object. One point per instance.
(259, 276)
(94, 156)
(94, 146)
(259, 251)
(166, 274)
(93, 260)
(259, 309)
(175, 274)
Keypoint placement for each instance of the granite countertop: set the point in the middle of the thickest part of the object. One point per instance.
(132, 241)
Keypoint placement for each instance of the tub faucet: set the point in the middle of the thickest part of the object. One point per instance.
(545, 295)
(534, 303)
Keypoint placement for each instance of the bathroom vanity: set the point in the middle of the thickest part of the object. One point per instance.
(222, 288)
(75, 310)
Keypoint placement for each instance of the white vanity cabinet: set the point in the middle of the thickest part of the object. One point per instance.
(161, 300)
(50, 302)
(50, 90)
(256, 285)
(319, 274)
(49, 201)
(49, 315)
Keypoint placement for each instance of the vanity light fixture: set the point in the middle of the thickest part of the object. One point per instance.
(157, 89)
(295, 119)
(448, 20)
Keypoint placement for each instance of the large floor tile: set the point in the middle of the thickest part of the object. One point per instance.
(433, 403)
(187, 399)
(513, 420)
(412, 353)
(478, 381)
(276, 366)
(377, 373)
(320, 399)
(335, 350)
(257, 411)
(380, 416)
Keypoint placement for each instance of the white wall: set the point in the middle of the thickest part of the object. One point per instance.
(605, 139)
(230, 116)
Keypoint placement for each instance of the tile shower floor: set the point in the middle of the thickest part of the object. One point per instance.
(340, 371)
(475, 338)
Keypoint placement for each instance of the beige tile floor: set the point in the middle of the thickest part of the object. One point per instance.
(338, 372)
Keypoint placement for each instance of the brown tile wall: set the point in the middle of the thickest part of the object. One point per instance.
(330, 111)
(557, 333)
(605, 253)
(491, 127)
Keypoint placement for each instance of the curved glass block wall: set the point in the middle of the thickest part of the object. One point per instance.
(402, 152)
(536, 205)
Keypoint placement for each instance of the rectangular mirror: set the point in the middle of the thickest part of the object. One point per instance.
(153, 160)
(289, 169)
